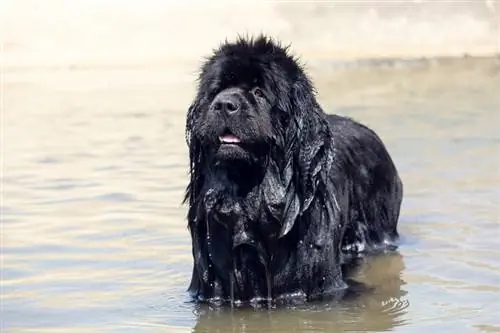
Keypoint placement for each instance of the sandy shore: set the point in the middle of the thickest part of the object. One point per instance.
(152, 33)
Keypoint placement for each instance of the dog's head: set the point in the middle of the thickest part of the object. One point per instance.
(245, 101)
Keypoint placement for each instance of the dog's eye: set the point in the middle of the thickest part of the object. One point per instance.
(257, 92)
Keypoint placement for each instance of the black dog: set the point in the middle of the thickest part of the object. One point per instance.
(280, 195)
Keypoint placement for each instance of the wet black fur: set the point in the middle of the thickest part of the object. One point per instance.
(280, 215)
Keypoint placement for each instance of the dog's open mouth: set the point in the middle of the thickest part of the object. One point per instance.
(229, 138)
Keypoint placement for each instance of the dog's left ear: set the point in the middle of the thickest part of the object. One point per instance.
(308, 153)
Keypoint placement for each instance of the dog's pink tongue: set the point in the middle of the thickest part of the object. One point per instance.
(229, 138)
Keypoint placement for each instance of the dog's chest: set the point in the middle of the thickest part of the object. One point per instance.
(243, 217)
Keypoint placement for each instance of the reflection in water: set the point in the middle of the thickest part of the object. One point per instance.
(380, 309)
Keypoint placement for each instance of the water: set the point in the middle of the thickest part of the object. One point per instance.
(95, 164)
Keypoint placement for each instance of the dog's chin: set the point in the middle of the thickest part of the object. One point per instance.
(233, 153)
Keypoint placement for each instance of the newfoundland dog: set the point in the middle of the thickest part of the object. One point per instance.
(281, 196)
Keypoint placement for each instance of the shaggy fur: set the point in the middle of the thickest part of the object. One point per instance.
(281, 195)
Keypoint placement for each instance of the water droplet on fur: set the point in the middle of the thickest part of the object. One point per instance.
(300, 242)
(311, 246)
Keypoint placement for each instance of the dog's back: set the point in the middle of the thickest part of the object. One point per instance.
(376, 189)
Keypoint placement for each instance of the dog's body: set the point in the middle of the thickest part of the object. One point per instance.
(280, 194)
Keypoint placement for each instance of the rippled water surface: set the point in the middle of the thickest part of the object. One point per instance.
(95, 164)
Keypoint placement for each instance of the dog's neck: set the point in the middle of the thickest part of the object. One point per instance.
(237, 178)
(230, 185)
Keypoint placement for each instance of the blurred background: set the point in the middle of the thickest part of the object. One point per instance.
(94, 162)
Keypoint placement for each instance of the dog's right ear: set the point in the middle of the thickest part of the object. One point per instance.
(191, 115)
(194, 154)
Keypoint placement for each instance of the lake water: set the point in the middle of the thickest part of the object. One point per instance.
(94, 235)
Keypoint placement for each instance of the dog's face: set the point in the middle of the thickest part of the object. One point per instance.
(236, 122)
(236, 115)
(235, 119)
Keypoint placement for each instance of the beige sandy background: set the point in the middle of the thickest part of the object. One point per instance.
(92, 32)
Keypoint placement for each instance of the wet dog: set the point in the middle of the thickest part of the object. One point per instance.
(281, 195)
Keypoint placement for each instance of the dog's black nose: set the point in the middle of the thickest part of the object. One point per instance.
(227, 102)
